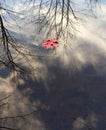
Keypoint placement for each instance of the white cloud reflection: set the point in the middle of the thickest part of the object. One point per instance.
(88, 123)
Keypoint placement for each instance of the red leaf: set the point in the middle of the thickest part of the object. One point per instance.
(50, 43)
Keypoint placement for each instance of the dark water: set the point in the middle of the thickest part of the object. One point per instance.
(71, 95)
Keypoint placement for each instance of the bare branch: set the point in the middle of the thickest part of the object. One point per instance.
(8, 128)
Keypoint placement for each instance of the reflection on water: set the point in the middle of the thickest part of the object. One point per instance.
(75, 101)
(63, 97)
